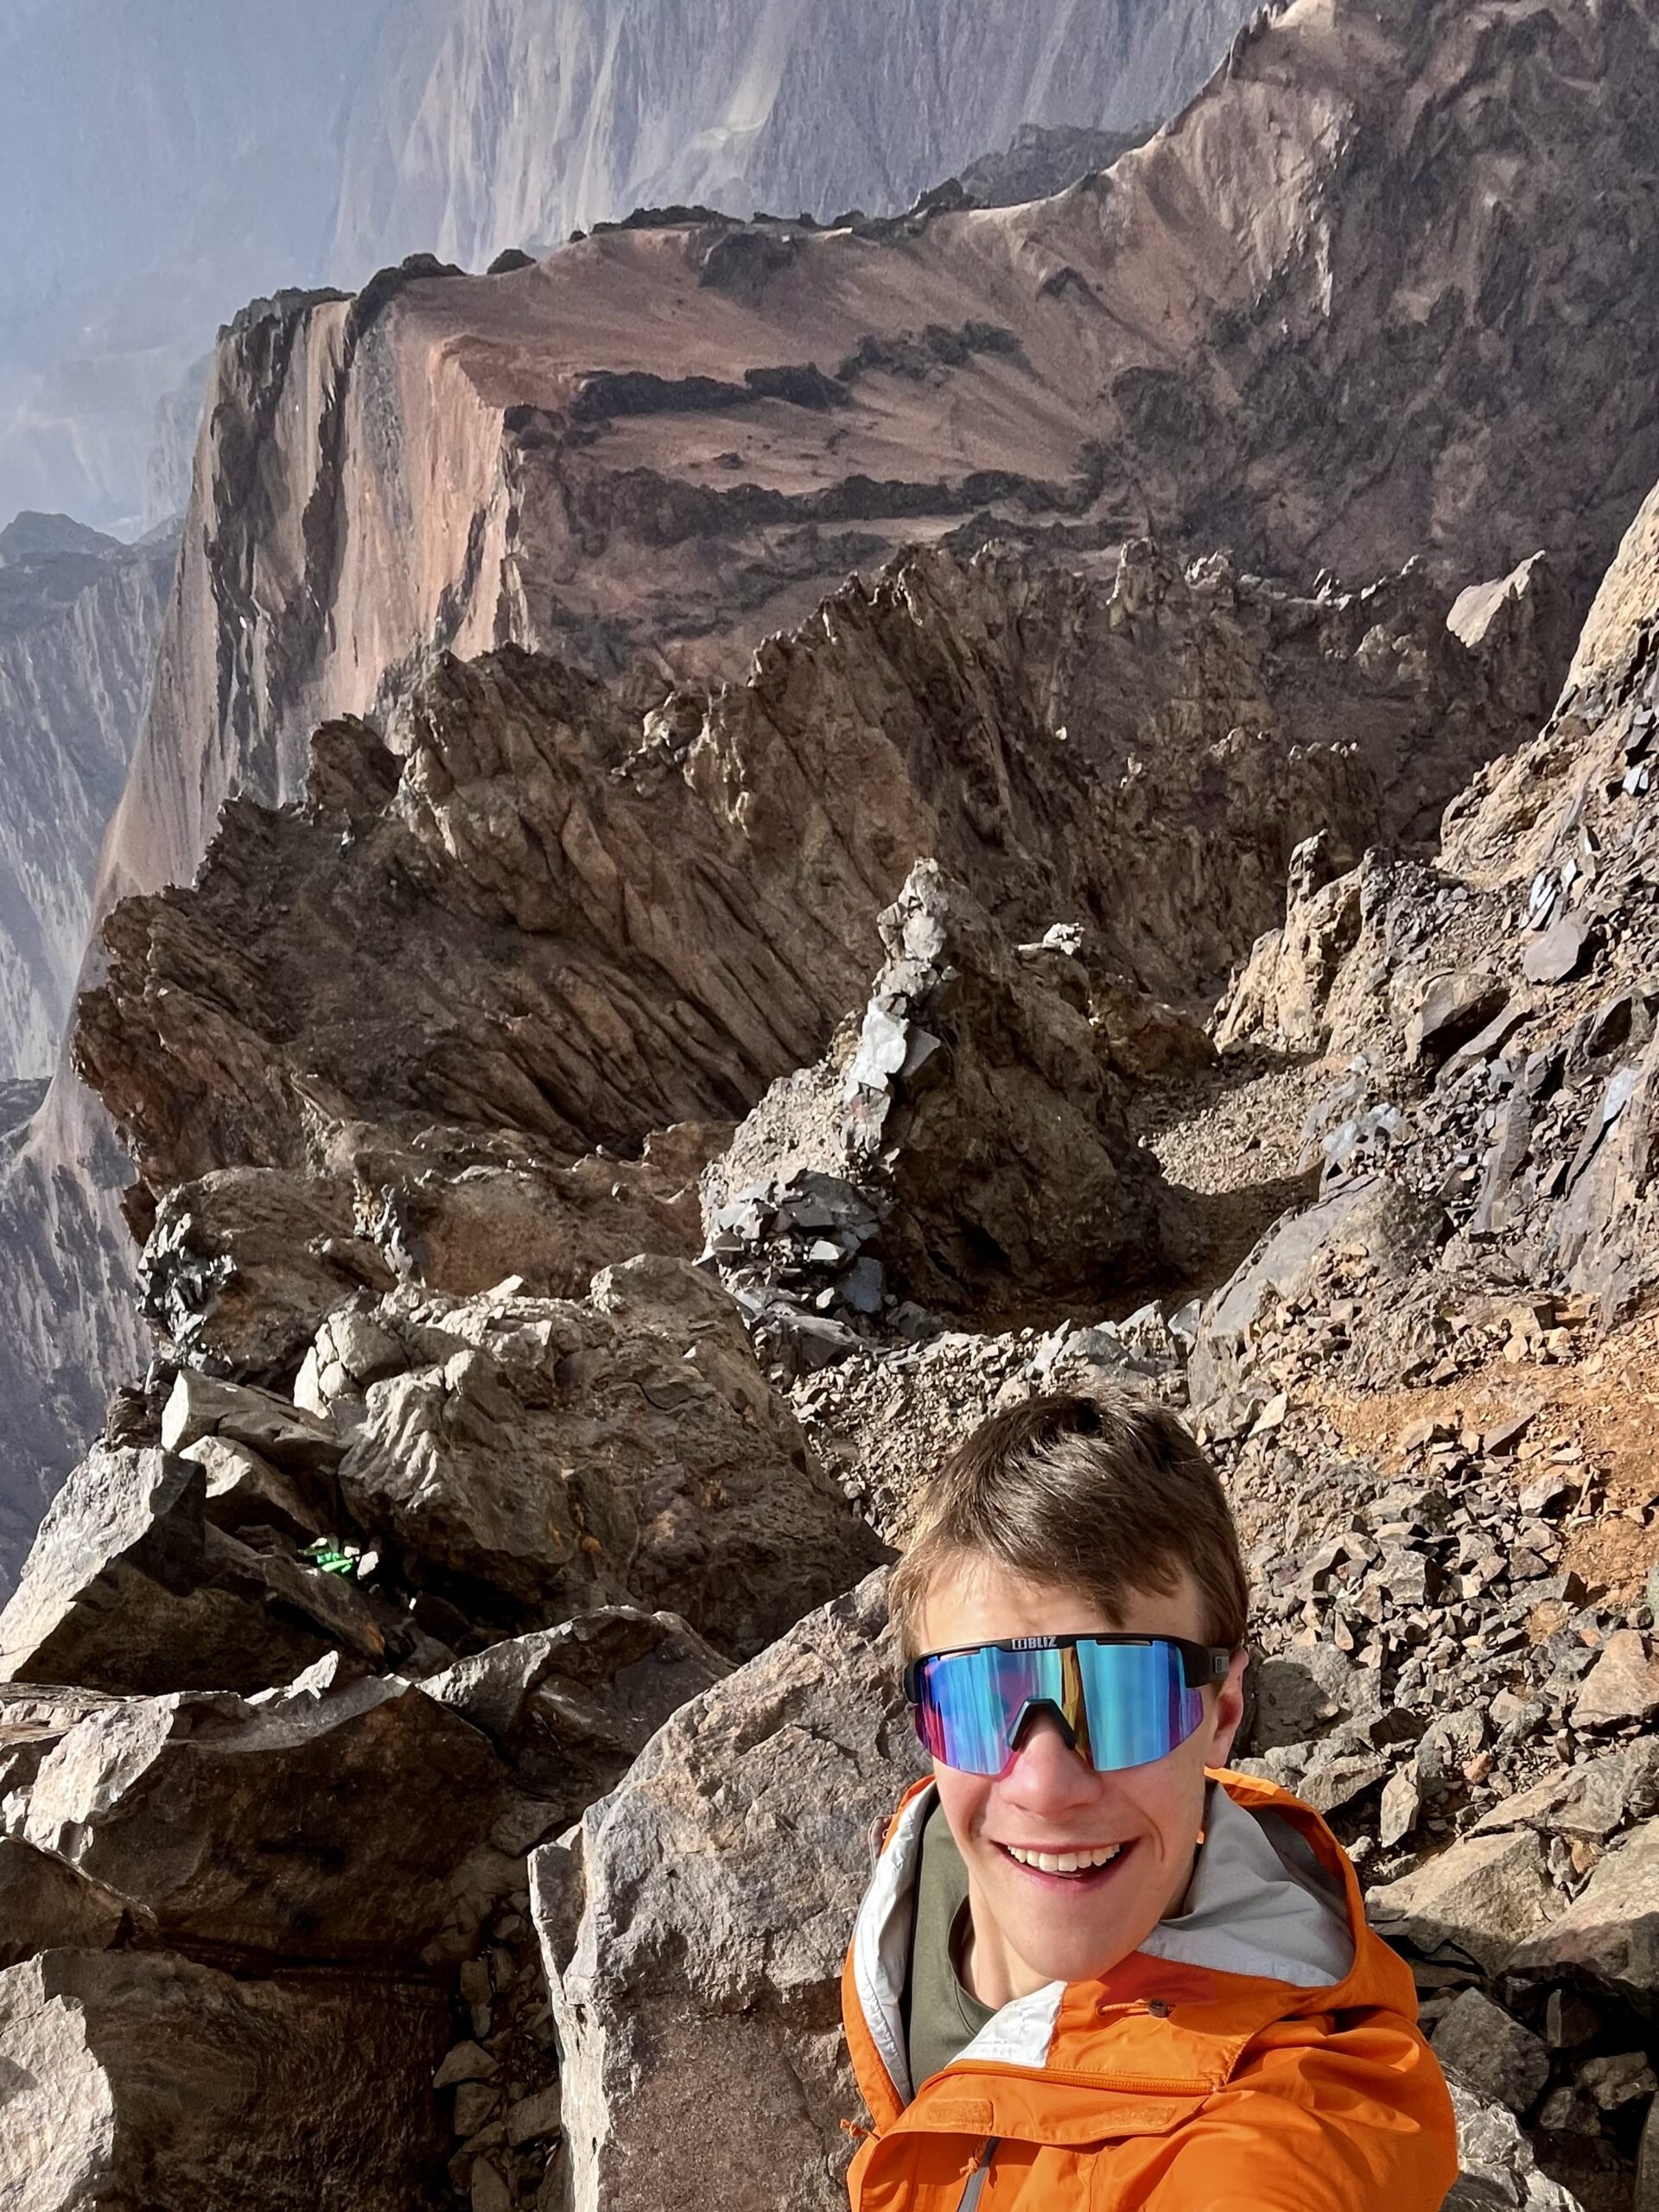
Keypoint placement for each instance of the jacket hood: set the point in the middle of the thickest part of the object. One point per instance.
(1272, 1927)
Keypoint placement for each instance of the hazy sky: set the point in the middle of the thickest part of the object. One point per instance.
(158, 162)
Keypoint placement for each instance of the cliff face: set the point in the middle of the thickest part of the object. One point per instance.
(309, 147)
(493, 123)
(79, 618)
(1300, 323)
(68, 1280)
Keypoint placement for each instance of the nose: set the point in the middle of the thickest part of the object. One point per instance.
(1047, 1776)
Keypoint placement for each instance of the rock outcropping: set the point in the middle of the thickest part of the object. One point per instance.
(624, 928)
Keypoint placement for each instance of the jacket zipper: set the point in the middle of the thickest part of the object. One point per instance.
(970, 2195)
(1135, 2085)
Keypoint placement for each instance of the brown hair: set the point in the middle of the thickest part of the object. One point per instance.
(1107, 1494)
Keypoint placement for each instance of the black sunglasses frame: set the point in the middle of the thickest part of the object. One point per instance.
(1202, 1664)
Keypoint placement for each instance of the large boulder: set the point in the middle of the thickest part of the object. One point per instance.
(336, 1820)
(1608, 1937)
(1477, 1902)
(1493, 2051)
(1392, 1230)
(142, 2078)
(568, 1708)
(536, 1456)
(130, 1587)
(694, 1923)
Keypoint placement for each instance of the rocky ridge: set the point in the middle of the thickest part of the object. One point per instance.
(677, 433)
(466, 127)
(389, 1514)
(613, 928)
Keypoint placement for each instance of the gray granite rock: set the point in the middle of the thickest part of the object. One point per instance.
(140, 2077)
(695, 1923)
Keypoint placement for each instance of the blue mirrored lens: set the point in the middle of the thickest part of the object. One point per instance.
(972, 1702)
(1137, 1702)
(1124, 1703)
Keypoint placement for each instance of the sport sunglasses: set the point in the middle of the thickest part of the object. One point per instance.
(1120, 1701)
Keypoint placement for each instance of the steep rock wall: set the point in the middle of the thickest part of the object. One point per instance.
(311, 145)
(79, 616)
(666, 442)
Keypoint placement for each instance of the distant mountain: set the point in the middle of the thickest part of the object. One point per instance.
(223, 147)
(79, 617)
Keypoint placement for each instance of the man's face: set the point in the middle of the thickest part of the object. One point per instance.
(1032, 1927)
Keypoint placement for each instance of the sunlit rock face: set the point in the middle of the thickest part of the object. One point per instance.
(313, 145)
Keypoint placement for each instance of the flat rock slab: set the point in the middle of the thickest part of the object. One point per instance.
(1557, 955)
(1590, 1799)
(285, 1434)
(570, 1708)
(1623, 1685)
(140, 2078)
(1482, 2042)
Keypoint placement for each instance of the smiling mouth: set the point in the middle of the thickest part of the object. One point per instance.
(1075, 1868)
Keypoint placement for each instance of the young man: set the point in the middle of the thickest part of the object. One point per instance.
(1092, 1974)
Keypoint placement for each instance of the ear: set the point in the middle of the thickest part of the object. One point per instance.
(1227, 1712)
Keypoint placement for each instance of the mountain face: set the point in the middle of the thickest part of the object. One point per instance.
(495, 123)
(309, 145)
(80, 619)
(603, 1059)
(670, 438)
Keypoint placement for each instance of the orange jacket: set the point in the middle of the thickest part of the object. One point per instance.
(1166, 2088)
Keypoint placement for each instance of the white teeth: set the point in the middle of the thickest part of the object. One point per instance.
(1064, 1862)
